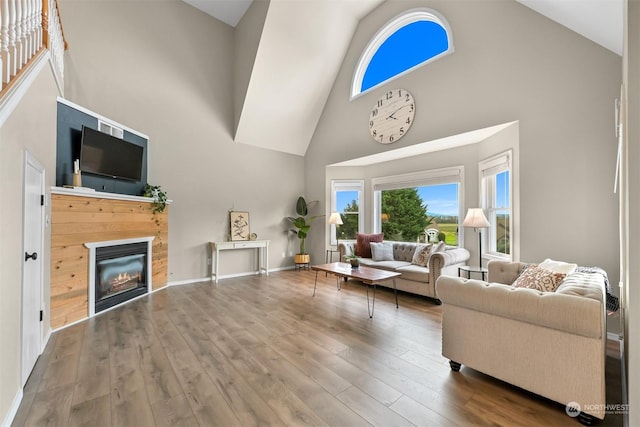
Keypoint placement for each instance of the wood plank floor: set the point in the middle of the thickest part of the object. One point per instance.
(261, 351)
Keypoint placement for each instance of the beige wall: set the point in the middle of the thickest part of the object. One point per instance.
(169, 73)
(30, 127)
(510, 63)
(247, 39)
(631, 78)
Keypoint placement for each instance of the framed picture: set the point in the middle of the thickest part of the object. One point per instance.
(239, 225)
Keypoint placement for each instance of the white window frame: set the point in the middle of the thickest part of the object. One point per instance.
(346, 185)
(488, 170)
(405, 18)
(450, 175)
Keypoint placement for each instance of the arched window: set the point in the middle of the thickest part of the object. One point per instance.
(410, 40)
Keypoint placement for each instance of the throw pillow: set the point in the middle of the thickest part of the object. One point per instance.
(421, 255)
(541, 279)
(381, 251)
(439, 247)
(363, 247)
(558, 266)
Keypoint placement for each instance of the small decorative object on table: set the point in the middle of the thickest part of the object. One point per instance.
(353, 259)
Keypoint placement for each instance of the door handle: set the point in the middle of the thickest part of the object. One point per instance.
(33, 256)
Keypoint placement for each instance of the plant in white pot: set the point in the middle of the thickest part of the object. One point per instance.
(302, 224)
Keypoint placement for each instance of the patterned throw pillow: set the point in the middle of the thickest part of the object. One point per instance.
(421, 255)
(363, 247)
(538, 278)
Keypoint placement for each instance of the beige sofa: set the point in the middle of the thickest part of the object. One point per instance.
(550, 343)
(415, 279)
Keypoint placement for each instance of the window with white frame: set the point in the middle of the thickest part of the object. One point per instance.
(410, 40)
(497, 202)
(410, 207)
(346, 199)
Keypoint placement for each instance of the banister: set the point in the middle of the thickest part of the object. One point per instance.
(26, 28)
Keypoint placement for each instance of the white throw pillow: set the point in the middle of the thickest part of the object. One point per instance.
(558, 266)
(382, 251)
(439, 247)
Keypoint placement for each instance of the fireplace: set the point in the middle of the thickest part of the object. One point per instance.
(118, 271)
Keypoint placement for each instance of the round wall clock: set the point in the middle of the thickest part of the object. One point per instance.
(392, 116)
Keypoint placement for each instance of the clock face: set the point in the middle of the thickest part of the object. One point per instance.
(392, 116)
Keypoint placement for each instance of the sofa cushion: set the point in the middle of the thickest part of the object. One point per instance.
(421, 255)
(381, 251)
(558, 266)
(541, 279)
(403, 251)
(363, 247)
(383, 265)
(414, 272)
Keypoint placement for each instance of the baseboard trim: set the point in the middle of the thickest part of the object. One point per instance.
(13, 410)
(226, 276)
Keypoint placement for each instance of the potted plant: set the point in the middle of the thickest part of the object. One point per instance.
(302, 224)
(159, 197)
(353, 259)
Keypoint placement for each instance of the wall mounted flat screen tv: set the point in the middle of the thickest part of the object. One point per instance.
(106, 155)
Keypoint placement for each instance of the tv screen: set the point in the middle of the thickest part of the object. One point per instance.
(106, 155)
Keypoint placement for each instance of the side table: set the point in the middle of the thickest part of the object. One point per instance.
(328, 257)
(473, 269)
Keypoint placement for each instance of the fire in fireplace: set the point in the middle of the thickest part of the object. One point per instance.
(121, 274)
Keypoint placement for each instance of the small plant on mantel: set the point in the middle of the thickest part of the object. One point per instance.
(159, 199)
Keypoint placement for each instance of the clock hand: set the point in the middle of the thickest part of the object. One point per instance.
(391, 116)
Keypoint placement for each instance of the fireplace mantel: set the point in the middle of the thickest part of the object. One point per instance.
(80, 217)
(88, 192)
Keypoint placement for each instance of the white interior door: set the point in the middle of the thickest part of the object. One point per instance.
(32, 272)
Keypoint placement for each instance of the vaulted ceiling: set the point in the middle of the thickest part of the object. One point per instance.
(305, 41)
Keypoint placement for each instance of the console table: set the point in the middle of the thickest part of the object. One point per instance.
(261, 246)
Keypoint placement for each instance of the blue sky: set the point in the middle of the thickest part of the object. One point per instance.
(407, 47)
(441, 199)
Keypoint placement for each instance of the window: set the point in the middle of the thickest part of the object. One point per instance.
(496, 178)
(410, 207)
(410, 40)
(346, 198)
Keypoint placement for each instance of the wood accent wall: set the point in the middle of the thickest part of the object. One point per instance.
(76, 220)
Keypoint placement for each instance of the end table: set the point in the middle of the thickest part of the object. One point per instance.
(473, 269)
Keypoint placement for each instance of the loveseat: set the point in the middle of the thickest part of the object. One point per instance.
(416, 279)
(550, 343)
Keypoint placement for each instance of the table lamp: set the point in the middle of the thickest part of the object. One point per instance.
(475, 218)
(336, 220)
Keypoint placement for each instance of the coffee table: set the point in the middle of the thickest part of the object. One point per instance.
(367, 275)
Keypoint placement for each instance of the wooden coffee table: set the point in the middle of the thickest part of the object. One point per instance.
(368, 275)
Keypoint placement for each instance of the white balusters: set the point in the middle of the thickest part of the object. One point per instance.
(12, 39)
(24, 26)
(56, 40)
(4, 43)
(38, 17)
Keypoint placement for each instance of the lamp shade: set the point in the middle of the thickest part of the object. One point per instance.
(335, 218)
(475, 218)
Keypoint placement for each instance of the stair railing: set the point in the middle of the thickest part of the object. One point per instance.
(27, 27)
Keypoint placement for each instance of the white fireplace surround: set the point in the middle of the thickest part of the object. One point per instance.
(92, 266)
